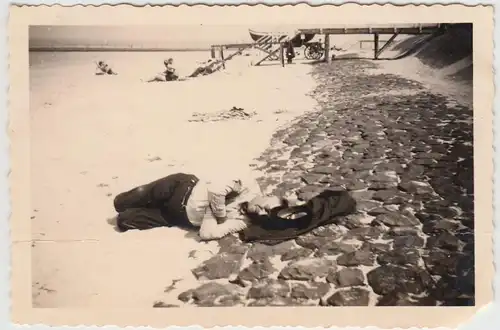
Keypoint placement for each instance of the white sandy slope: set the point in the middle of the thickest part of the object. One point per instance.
(91, 138)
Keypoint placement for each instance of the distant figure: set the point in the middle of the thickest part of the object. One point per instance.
(206, 68)
(169, 70)
(103, 69)
(335, 48)
(167, 75)
(290, 52)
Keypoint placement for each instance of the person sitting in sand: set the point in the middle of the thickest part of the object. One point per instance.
(184, 200)
(104, 68)
(206, 68)
(168, 75)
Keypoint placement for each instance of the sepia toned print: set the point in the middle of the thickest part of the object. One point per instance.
(252, 164)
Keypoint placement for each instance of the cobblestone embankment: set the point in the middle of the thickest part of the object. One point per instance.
(406, 154)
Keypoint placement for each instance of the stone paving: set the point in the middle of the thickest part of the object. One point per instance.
(406, 154)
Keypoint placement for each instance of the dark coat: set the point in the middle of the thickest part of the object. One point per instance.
(320, 210)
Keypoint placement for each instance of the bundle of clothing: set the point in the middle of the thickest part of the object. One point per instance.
(321, 210)
(233, 113)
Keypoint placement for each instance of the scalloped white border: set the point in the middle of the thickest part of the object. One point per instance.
(487, 318)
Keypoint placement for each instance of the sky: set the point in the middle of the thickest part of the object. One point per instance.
(189, 36)
(162, 36)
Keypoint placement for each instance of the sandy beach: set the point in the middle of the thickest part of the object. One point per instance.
(108, 134)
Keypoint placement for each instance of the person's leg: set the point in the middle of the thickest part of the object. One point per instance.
(150, 195)
(203, 71)
(141, 219)
(138, 197)
(170, 191)
(196, 72)
(159, 77)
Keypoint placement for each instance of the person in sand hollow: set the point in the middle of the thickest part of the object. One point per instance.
(168, 75)
(184, 200)
(103, 68)
(206, 68)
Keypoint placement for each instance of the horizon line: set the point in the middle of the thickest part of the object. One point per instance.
(113, 49)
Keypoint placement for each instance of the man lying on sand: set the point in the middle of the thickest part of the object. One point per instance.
(186, 201)
(167, 75)
(206, 68)
(103, 69)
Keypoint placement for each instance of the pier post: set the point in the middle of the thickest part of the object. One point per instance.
(221, 50)
(212, 52)
(375, 42)
(328, 58)
(387, 44)
(282, 57)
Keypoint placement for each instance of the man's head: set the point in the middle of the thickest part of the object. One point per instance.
(168, 62)
(262, 205)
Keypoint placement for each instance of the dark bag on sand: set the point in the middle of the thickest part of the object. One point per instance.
(320, 210)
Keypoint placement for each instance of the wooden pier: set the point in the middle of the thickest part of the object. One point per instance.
(274, 46)
(376, 31)
(402, 29)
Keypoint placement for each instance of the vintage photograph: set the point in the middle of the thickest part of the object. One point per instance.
(280, 163)
(295, 165)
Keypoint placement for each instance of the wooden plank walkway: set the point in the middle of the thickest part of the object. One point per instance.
(401, 29)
